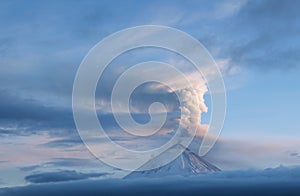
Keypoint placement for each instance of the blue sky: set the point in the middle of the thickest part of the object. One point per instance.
(255, 43)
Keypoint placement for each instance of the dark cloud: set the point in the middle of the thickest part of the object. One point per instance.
(61, 176)
(26, 116)
(14, 107)
(294, 154)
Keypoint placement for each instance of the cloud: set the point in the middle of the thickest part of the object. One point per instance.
(25, 116)
(264, 35)
(43, 76)
(59, 165)
(277, 181)
(294, 154)
(29, 168)
(61, 176)
(259, 35)
(15, 107)
(64, 143)
(228, 8)
(73, 162)
(231, 154)
(281, 172)
(192, 100)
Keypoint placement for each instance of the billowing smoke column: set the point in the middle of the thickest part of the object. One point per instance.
(192, 105)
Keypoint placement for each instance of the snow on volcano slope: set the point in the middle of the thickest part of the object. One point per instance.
(187, 164)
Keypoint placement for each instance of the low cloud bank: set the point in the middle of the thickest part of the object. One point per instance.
(277, 181)
(61, 176)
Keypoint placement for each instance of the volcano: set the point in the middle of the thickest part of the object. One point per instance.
(186, 164)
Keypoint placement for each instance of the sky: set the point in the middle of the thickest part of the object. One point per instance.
(256, 45)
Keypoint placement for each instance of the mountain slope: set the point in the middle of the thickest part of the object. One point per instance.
(187, 164)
